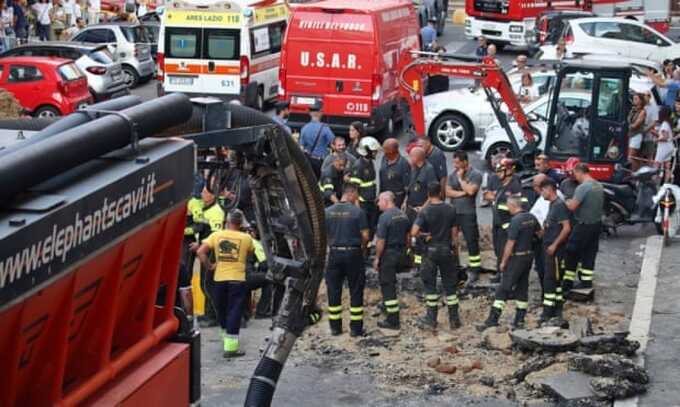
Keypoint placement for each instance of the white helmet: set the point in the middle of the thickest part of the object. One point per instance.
(367, 144)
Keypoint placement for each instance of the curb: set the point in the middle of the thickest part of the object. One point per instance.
(641, 319)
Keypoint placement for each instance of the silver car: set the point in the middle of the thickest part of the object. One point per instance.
(105, 77)
(131, 48)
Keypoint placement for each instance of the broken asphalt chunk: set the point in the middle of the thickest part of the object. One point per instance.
(546, 339)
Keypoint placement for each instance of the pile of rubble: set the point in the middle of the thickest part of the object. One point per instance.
(9, 106)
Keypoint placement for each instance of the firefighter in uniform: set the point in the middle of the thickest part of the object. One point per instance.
(462, 188)
(436, 224)
(435, 156)
(333, 179)
(504, 185)
(395, 171)
(363, 175)
(516, 262)
(390, 248)
(556, 229)
(584, 240)
(208, 217)
(422, 175)
(347, 230)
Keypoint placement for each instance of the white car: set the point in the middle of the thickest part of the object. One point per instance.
(460, 116)
(614, 36)
(496, 142)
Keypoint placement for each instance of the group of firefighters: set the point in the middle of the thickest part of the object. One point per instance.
(404, 212)
(553, 227)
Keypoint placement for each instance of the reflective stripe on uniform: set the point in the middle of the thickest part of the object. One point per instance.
(522, 304)
(452, 300)
(505, 225)
(230, 343)
(417, 259)
(558, 296)
(500, 304)
(356, 313)
(502, 207)
(432, 300)
(334, 312)
(361, 183)
(569, 275)
(325, 186)
(475, 261)
(392, 306)
(548, 303)
(586, 275)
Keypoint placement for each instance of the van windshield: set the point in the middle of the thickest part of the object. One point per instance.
(183, 43)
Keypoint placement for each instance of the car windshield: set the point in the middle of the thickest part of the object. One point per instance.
(70, 72)
(134, 34)
(102, 55)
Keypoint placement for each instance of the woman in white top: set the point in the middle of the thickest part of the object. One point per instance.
(527, 92)
(6, 24)
(636, 124)
(59, 18)
(42, 15)
(663, 134)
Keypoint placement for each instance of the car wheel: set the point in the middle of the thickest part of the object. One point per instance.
(259, 102)
(130, 77)
(47, 112)
(496, 152)
(451, 132)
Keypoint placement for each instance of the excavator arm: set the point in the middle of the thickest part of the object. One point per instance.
(490, 76)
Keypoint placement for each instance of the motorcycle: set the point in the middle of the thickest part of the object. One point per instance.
(631, 202)
(667, 214)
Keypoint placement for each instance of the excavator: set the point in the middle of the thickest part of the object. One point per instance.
(596, 132)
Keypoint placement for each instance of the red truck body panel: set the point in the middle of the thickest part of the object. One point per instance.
(346, 56)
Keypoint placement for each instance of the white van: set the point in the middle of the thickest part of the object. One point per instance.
(225, 48)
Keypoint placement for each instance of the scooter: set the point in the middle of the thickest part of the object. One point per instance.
(632, 201)
(667, 214)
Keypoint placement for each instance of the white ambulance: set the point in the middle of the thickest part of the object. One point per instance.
(224, 48)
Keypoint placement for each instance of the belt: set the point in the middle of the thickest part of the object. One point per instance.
(345, 248)
(588, 224)
(523, 253)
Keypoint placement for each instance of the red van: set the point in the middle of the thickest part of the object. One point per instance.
(348, 57)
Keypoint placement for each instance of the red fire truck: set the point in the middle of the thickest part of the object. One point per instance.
(506, 22)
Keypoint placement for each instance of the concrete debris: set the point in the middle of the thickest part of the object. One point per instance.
(452, 349)
(547, 339)
(610, 388)
(571, 387)
(601, 344)
(435, 389)
(446, 368)
(532, 365)
(581, 327)
(433, 362)
(487, 381)
(609, 366)
(493, 340)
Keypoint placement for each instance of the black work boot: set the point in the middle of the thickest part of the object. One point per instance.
(391, 321)
(567, 285)
(583, 285)
(454, 318)
(429, 320)
(518, 323)
(336, 326)
(473, 277)
(496, 279)
(492, 320)
(547, 314)
(356, 328)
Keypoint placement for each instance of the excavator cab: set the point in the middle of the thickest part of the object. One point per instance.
(596, 128)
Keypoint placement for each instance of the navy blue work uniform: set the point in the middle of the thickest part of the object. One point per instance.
(438, 220)
(393, 228)
(363, 175)
(395, 177)
(523, 228)
(345, 223)
(501, 213)
(552, 227)
(466, 213)
(416, 196)
(331, 183)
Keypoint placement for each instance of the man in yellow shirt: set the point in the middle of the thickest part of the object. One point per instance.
(232, 248)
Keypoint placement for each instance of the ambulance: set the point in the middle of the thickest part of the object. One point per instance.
(225, 48)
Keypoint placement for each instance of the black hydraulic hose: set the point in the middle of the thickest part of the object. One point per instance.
(49, 127)
(37, 162)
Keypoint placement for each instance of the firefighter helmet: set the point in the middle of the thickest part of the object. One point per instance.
(570, 164)
(367, 144)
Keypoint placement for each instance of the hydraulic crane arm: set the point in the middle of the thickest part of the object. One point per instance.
(487, 72)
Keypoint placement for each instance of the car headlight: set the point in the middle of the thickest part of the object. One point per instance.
(516, 28)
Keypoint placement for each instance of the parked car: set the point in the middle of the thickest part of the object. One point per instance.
(458, 117)
(131, 48)
(550, 25)
(104, 76)
(45, 87)
(615, 36)
(574, 103)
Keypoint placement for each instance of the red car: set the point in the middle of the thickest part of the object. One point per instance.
(45, 87)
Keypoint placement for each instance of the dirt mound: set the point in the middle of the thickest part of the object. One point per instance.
(9, 106)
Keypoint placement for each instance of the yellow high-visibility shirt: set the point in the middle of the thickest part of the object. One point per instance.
(231, 253)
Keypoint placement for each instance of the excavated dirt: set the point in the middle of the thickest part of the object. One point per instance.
(417, 361)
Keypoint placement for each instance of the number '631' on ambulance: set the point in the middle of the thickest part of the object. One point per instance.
(347, 55)
(225, 48)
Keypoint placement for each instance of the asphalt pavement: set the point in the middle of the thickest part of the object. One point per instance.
(618, 267)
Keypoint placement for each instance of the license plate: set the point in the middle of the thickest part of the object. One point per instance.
(489, 27)
(181, 80)
(304, 101)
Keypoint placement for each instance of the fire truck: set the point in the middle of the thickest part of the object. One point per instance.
(505, 22)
